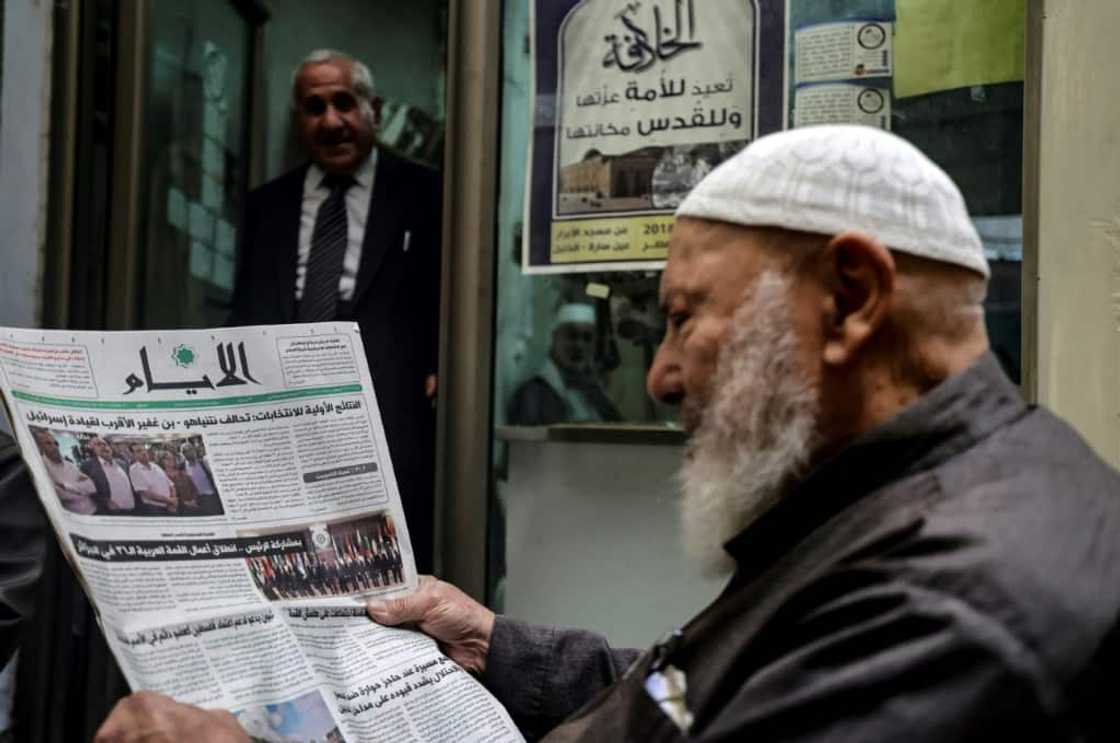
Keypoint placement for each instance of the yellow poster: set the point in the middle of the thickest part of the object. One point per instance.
(948, 44)
(644, 238)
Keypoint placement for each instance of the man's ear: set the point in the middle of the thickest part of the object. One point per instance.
(375, 104)
(857, 275)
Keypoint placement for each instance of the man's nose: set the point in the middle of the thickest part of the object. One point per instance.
(665, 382)
(332, 118)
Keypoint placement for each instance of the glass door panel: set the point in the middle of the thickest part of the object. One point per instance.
(195, 166)
(572, 419)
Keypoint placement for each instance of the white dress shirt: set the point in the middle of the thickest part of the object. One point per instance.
(120, 491)
(357, 209)
(74, 489)
(150, 479)
(200, 478)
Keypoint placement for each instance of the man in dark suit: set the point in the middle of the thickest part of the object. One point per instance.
(114, 490)
(354, 235)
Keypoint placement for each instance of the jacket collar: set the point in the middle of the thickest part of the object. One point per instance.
(949, 419)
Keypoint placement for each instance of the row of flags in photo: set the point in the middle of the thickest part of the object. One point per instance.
(304, 564)
(358, 542)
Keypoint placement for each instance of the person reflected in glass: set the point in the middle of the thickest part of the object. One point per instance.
(568, 387)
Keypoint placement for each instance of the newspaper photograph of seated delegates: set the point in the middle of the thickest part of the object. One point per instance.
(339, 558)
(129, 474)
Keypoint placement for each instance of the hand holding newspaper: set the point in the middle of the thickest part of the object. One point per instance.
(227, 501)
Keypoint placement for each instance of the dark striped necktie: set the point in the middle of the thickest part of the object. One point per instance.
(328, 249)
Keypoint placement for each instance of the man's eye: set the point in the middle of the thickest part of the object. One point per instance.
(342, 102)
(677, 319)
(314, 106)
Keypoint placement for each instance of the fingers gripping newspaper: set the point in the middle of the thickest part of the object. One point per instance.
(227, 501)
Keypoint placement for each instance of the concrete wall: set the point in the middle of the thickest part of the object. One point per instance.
(403, 44)
(24, 131)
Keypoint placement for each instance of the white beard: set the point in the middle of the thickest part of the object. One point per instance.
(757, 431)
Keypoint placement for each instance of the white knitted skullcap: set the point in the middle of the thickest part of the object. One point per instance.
(829, 179)
(577, 314)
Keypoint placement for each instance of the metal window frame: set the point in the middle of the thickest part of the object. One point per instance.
(124, 259)
(1032, 137)
(463, 433)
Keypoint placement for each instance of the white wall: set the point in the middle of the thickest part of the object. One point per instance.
(24, 138)
(593, 540)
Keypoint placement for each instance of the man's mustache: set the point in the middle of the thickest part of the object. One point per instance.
(334, 137)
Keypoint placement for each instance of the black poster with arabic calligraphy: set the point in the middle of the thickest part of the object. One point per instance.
(635, 101)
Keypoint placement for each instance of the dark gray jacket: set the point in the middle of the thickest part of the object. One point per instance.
(23, 540)
(952, 576)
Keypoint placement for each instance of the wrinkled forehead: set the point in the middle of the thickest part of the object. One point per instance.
(318, 78)
(706, 256)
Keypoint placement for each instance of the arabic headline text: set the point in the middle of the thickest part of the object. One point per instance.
(389, 687)
(150, 550)
(124, 423)
(162, 635)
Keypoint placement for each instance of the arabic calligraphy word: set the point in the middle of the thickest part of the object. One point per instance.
(668, 88)
(635, 49)
(227, 362)
(726, 86)
(698, 120)
(599, 130)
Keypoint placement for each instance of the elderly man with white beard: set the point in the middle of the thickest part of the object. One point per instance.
(914, 553)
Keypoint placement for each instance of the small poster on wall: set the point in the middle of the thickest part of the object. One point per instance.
(634, 102)
(841, 63)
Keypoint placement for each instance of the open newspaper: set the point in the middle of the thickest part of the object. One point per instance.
(227, 501)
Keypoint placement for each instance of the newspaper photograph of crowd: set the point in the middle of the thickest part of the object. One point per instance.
(129, 474)
(341, 558)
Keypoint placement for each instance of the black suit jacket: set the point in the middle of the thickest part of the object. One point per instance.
(93, 469)
(23, 542)
(396, 303)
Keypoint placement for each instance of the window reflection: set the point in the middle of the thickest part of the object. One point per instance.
(568, 386)
(973, 132)
(581, 352)
(196, 170)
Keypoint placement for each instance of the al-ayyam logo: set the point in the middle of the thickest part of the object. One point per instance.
(184, 356)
